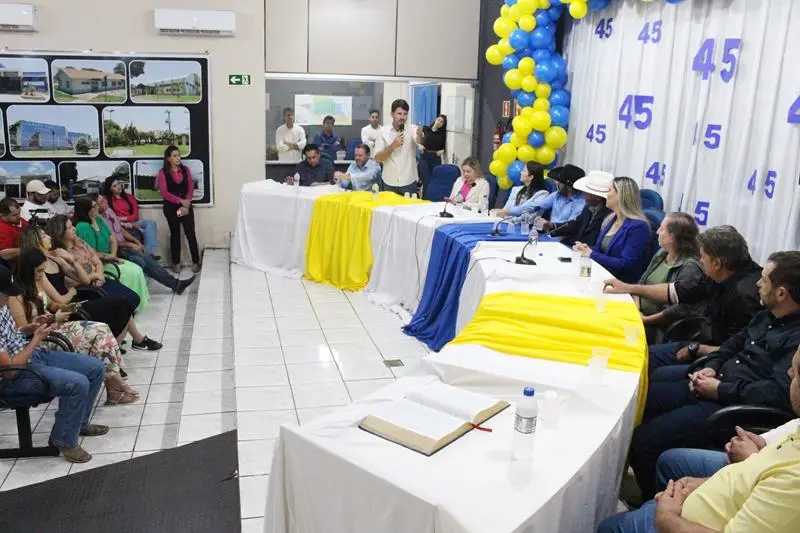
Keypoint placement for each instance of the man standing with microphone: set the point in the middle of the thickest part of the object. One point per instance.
(396, 148)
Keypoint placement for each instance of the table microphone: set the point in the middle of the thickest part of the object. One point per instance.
(521, 259)
(444, 213)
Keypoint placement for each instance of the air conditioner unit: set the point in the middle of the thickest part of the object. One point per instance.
(195, 23)
(17, 17)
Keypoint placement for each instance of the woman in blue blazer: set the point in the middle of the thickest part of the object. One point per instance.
(623, 244)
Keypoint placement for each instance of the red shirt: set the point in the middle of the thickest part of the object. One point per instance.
(177, 177)
(126, 212)
(9, 235)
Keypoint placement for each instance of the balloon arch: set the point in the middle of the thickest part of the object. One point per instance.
(536, 74)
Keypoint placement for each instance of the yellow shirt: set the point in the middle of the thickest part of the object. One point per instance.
(759, 495)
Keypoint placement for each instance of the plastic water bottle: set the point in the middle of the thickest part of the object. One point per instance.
(375, 190)
(484, 207)
(585, 266)
(407, 195)
(296, 179)
(533, 240)
(525, 223)
(414, 196)
(525, 419)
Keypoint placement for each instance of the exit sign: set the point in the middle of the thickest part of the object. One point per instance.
(238, 79)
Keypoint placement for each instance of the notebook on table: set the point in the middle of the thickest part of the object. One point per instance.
(431, 417)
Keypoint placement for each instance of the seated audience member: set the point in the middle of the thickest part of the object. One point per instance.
(748, 369)
(128, 247)
(471, 187)
(564, 205)
(729, 294)
(73, 378)
(434, 139)
(126, 207)
(751, 488)
(36, 203)
(677, 260)
(11, 225)
(290, 138)
(370, 132)
(624, 240)
(396, 149)
(327, 140)
(587, 226)
(532, 189)
(31, 307)
(55, 202)
(313, 170)
(362, 173)
(93, 230)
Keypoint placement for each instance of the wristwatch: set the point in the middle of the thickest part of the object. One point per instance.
(693, 348)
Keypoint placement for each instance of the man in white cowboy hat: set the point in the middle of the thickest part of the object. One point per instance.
(36, 202)
(586, 227)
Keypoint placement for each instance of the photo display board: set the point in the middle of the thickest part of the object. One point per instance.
(77, 119)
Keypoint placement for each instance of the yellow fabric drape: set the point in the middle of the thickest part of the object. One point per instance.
(338, 249)
(560, 328)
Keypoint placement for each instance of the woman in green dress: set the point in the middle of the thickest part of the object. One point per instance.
(93, 230)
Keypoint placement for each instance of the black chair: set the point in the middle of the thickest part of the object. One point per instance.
(22, 405)
(693, 328)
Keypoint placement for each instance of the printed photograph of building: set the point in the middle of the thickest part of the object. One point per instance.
(145, 131)
(92, 81)
(2, 136)
(86, 177)
(23, 79)
(15, 174)
(53, 131)
(166, 81)
(146, 172)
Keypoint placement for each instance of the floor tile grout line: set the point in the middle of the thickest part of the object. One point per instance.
(283, 354)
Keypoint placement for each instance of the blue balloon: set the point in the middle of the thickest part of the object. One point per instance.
(557, 84)
(536, 139)
(674, 1)
(510, 61)
(540, 38)
(525, 52)
(545, 71)
(551, 28)
(561, 65)
(552, 45)
(507, 137)
(597, 5)
(515, 93)
(515, 170)
(541, 55)
(519, 39)
(560, 98)
(552, 165)
(542, 18)
(556, 11)
(526, 99)
(511, 2)
(560, 116)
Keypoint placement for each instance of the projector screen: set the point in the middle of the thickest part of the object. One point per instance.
(310, 109)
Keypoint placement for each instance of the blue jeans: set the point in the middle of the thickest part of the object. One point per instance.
(410, 189)
(427, 162)
(662, 355)
(149, 230)
(74, 378)
(151, 268)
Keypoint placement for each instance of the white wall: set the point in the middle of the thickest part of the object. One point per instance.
(392, 90)
(238, 139)
(459, 139)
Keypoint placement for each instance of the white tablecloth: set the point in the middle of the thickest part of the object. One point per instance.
(272, 226)
(329, 476)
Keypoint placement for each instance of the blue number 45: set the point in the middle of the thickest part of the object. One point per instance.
(656, 173)
(701, 213)
(646, 35)
(633, 106)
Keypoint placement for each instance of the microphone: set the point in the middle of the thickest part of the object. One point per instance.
(533, 238)
(496, 228)
(444, 213)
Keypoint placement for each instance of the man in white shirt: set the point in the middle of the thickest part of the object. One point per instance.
(290, 139)
(36, 202)
(55, 202)
(396, 148)
(370, 132)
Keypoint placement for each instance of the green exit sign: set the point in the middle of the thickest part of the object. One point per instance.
(238, 79)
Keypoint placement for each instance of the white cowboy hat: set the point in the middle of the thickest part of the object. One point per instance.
(596, 182)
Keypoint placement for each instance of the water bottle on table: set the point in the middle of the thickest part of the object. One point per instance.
(525, 419)
(296, 179)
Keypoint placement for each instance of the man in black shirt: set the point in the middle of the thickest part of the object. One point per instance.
(750, 368)
(313, 170)
(595, 186)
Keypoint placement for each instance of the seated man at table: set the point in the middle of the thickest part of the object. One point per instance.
(327, 140)
(313, 170)
(748, 369)
(564, 205)
(701, 492)
(362, 173)
(729, 291)
(587, 226)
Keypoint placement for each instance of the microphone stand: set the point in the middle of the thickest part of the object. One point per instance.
(444, 213)
(496, 228)
(521, 259)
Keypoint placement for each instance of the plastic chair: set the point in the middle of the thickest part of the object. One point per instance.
(651, 200)
(351, 149)
(493, 190)
(655, 218)
(550, 185)
(442, 179)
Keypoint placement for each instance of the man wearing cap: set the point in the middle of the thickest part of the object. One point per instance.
(75, 379)
(564, 205)
(36, 202)
(586, 227)
(56, 204)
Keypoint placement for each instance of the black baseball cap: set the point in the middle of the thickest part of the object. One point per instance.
(7, 284)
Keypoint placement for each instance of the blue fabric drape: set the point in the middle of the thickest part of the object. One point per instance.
(434, 323)
(425, 104)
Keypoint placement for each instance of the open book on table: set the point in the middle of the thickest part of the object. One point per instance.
(431, 417)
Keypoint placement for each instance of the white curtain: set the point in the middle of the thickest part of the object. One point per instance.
(697, 141)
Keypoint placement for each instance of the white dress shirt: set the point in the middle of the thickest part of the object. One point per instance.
(369, 136)
(296, 135)
(401, 167)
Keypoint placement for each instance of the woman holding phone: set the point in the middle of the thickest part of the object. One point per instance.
(177, 187)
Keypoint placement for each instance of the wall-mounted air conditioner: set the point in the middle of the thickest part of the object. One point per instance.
(17, 17)
(195, 23)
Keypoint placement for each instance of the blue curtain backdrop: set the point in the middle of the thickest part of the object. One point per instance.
(424, 103)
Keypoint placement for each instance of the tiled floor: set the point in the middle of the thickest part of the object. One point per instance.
(241, 350)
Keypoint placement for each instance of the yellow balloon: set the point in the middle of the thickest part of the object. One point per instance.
(578, 9)
(504, 10)
(526, 153)
(504, 182)
(529, 82)
(494, 56)
(526, 66)
(540, 120)
(505, 47)
(522, 126)
(543, 90)
(555, 137)
(527, 7)
(518, 141)
(514, 13)
(497, 168)
(541, 104)
(503, 26)
(545, 155)
(506, 153)
(513, 79)
(543, 4)
(527, 112)
(527, 23)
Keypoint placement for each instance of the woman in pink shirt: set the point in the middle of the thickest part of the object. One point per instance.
(126, 207)
(176, 186)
